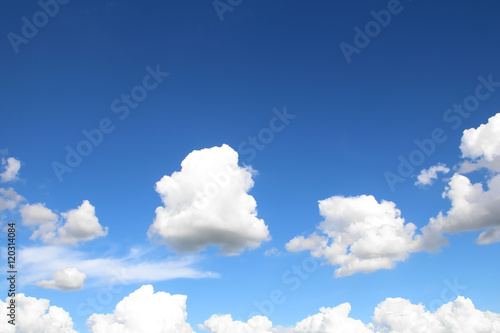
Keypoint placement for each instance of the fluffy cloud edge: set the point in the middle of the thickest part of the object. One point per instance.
(37, 316)
(474, 207)
(12, 167)
(359, 234)
(71, 227)
(147, 311)
(427, 176)
(65, 280)
(207, 203)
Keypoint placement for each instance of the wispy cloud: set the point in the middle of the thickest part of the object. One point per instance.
(39, 263)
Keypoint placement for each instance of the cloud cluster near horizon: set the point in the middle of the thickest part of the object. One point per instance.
(147, 311)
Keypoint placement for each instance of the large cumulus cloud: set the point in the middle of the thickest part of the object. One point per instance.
(206, 203)
(144, 311)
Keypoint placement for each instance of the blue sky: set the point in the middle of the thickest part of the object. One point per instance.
(208, 79)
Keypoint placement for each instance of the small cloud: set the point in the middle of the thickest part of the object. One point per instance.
(427, 176)
(272, 252)
(489, 236)
(65, 280)
(40, 263)
(80, 224)
(12, 167)
(38, 315)
(481, 146)
(9, 199)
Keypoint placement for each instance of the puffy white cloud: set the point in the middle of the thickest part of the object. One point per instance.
(331, 320)
(481, 146)
(226, 324)
(144, 311)
(427, 176)
(359, 234)
(36, 315)
(12, 167)
(472, 208)
(9, 199)
(271, 252)
(41, 219)
(396, 315)
(79, 225)
(37, 214)
(67, 279)
(206, 203)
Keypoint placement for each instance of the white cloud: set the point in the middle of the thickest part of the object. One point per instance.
(36, 315)
(489, 236)
(80, 224)
(359, 235)
(399, 315)
(39, 263)
(481, 146)
(9, 199)
(12, 167)
(472, 209)
(427, 176)
(67, 279)
(144, 311)
(41, 219)
(330, 320)
(225, 324)
(394, 315)
(272, 252)
(37, 214)
(206, 203)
